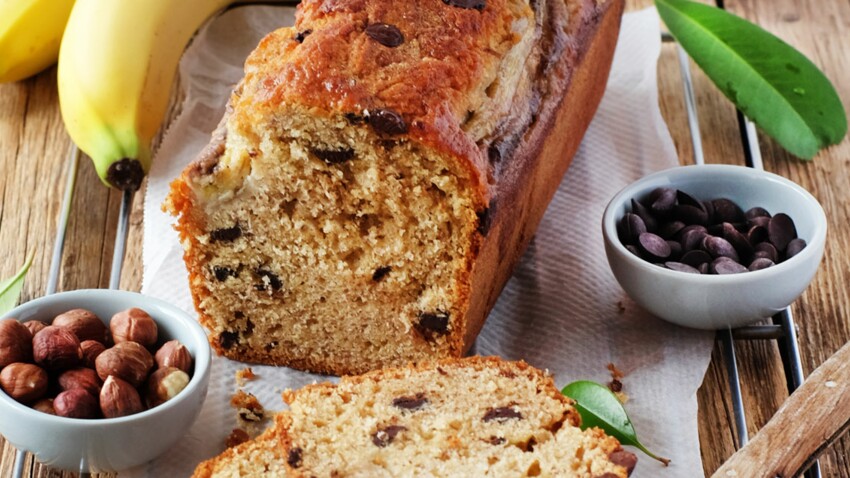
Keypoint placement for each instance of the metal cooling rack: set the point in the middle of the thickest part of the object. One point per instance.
(782, 329)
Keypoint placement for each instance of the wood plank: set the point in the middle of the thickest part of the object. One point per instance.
(819, 30)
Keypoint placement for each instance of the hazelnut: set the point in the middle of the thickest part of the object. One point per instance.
(174, 354)
(133, 325)
(165, 384)
(76, 403)
(84, 324)
(127, 360)
(24, 382)
(45, 405)
(84, 378)
(15, 342)
(34, 326)
(91, 349)
(119, 398)
(56, 348)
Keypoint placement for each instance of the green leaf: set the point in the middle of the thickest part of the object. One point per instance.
(10, 289)
(776, 86)
(600, 408)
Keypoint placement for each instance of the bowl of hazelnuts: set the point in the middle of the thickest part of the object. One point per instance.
(100, 380)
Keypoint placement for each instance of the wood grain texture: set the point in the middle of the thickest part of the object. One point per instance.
(786, 443)
(34, 148)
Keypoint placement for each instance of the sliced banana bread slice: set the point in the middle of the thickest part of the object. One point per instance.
(455, 418)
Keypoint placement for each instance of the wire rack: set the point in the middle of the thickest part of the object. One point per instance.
(782, 328)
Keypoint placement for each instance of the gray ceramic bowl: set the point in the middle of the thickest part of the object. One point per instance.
(718, 301)
(115, 443)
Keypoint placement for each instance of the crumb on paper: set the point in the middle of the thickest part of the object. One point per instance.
(249, 409)
(237, 437)
(244, 375)
(616, 385)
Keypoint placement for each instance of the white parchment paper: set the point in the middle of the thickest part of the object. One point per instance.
(562, 311)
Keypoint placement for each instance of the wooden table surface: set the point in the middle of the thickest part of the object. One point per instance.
(34, 149)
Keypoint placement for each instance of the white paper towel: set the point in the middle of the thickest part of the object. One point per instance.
(562, 311)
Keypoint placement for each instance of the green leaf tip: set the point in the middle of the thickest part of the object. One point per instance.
(600, 408)
(772, 83)
(10, 289)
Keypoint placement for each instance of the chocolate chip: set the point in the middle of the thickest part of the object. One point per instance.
(485, 219)
(725, 210)
(663, 204)
(690, 214)
(641, 211)
(692, 238)
(675, 250)
(353, 118)
(469, 4)
(333, 156)
(432, 324)
(227, 339)
(794, 247)
(293, 459)
(766, 249)
(387, 122)
(653, 247)
(686, 199)
(222, 273)
(384, 436)
(781, 231)
(739, 241)
(623, 458)
(385, 34)
(300, 36)
(756, 234)
(680, 267)
(413, 402)
(380, 272)
(631, 227)
(227, 234)
(719, 247)
(501, 414)
(494, 153)
(725, 265)
(273, 280)
(695, 257)
(669, 229)
(754, 212)
(494, 440)
(760, 263)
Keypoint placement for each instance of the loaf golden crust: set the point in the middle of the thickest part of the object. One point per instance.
(501, 94)
(479, 416)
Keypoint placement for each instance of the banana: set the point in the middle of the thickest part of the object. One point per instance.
(30, 32)
(116, 67)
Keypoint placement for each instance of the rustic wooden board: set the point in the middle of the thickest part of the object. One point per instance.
(34, 150)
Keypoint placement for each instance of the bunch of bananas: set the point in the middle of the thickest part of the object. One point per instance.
(117, 62)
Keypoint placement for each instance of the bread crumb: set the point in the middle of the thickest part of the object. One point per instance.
(244, 375)
(616, 385)
(237, 437)
(248, 408)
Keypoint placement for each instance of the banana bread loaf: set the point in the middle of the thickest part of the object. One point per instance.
(379, 172)
(454, 418)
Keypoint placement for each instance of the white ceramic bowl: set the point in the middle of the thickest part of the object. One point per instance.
(115, 443)
(718, 301)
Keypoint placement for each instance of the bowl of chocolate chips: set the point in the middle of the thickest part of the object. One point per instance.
(714, 246)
